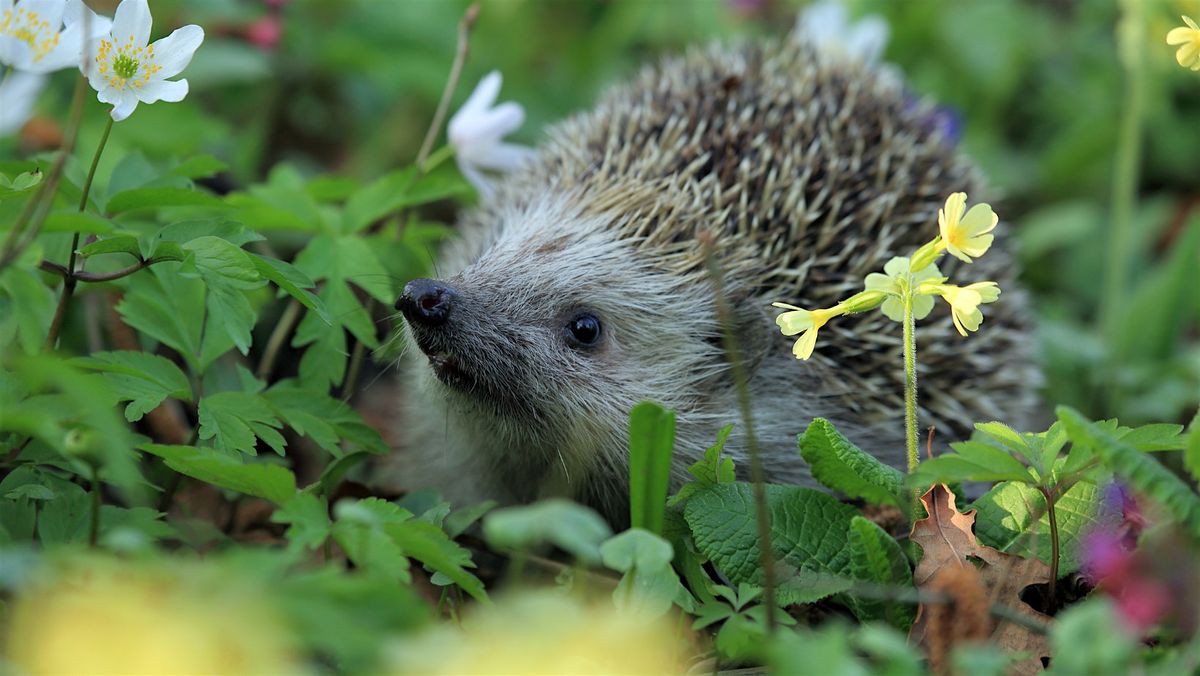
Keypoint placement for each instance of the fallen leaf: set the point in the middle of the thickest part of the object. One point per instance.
(948, 539)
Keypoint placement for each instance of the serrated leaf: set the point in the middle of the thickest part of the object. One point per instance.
(234, 419)
(307, 517)
(844, 467)
(271, 482)
(876, 557)
(219, 261)
(231, 313)
(972, 460)
(1012, 518)
(431, 546)
(26, 309)
(325, 420)
(291, 280)
(397, 190)
(151, 307)
(565, 524)
(651, 442)
(153, 198)
(141, 378)
(809, 533)
(1156, 437)
(1142, 472)
(230, 231)
(712, 469)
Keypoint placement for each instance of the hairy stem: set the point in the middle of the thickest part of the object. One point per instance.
(910, 380)
(72, 278)
(757, 476)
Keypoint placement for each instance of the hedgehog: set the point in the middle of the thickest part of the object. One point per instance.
(579, 288)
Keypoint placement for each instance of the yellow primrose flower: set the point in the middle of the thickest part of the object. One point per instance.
(891, 282)
(806, 323)
(1188, 55)
(965, 237)
(965, 301)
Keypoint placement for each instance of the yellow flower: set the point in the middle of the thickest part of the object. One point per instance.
(966, 237)
(101, 616)
(965, 301)
(892, 280)
(542, 632)
(806, 323)
(1188, 55)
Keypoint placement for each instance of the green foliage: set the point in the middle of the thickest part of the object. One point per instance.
(651, 442)
(844, 467)
(564, 524)
(876, 557)
(649, 584)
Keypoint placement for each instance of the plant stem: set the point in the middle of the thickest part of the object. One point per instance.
(910, 380)
(1054, 544)
(94, 528)
(460, 58)
(69, 282)
(282, 328)
(757, 477)
(1125, 175)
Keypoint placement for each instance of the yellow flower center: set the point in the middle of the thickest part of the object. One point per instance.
(31, 29)
(126, 66)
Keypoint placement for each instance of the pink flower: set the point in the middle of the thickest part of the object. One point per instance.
(1142, 604)
(265, 32)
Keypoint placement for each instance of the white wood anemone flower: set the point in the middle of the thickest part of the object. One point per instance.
(42, 36)
(477, 134)
(18, 93)
(826, 25)
(125, 69)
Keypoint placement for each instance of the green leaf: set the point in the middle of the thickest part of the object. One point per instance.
(233, 420)
(359, 531)
(565, 524)
(844, 467)
(307, 517)
(325, 420)
(431, 546)
(712, 469)
(876, 557)
(1191, 454)
(1142, 472)
(198, 166)
(395, 191)
(115, 244)
(219, 261)
(74, 221)
(1078, 648)
(809, 533)
(1012, 518)
(291, 280)
(651, 442)
(271, 482)
(23, 182)
(141, 378)
(1157, 437)
(154, 198)
(973, 460)
(26, 309)
(649, 584)
(231, 313)
(230, 231)
(152, 307)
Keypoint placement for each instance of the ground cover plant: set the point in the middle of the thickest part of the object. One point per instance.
(203, 231)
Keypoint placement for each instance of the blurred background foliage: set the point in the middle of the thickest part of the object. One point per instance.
(349, 86)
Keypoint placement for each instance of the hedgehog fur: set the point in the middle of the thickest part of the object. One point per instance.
(809, 172)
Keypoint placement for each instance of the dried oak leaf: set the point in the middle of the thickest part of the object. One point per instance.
(948, 539)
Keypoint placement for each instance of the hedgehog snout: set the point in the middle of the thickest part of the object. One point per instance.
(426, 302)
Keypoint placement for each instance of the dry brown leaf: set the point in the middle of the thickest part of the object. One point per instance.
(948, 539)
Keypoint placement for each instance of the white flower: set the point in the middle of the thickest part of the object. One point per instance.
(825, 25)
(18, 93)
(33, 37)
(125, 69)
(477, 133)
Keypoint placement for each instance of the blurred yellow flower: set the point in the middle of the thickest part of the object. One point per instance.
(543, 633)
(1188, 55)
(966, 237)
(965, 301)
(108, 617)
(806, 323)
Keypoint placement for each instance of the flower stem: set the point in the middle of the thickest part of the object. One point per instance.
(460, 58)
(910, 379)
(1054, 544)
(69, 282)
(94, 526)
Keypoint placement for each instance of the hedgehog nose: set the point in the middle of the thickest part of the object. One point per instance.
(426, 302)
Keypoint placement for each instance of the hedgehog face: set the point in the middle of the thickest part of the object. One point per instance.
(543, 341)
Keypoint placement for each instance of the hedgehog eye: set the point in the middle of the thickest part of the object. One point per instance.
(583, 330)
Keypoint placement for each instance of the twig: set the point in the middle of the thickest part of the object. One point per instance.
(84, 276)
(733, 355)
(460, 57)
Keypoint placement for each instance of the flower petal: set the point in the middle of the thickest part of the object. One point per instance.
(170, 91)
(867, 39)
(896, 266)
(978, 245)
(18, 94)
(15, 53)
(131, 24)
(173, 53)
(879, 282)
(1188, 54)
(979, 219)
(804, 346)
(482, 183)
(893, 309)
(124, 107)
(922, 306)
(1191, 24)
(502, 157)
(791, 323)
(1179, 35)
(480, 100)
